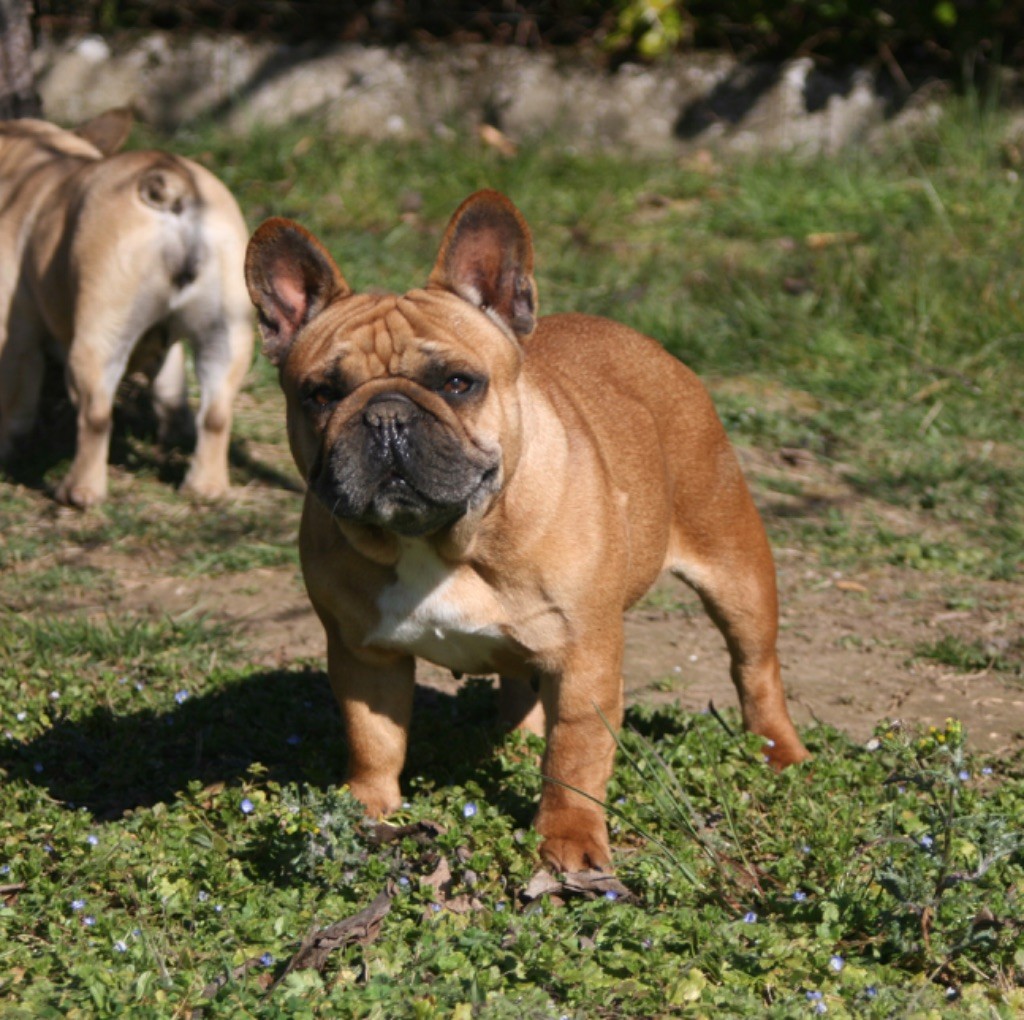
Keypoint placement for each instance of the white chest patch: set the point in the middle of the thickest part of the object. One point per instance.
(446, 615)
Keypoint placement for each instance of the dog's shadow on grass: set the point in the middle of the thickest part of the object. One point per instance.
(133, 444)
(112, 762)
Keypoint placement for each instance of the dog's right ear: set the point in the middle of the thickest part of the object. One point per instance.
(108, 131)
(291, 278)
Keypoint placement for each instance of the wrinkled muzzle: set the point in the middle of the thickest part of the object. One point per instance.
(396, 465)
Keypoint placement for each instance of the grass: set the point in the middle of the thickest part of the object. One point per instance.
(169, 811)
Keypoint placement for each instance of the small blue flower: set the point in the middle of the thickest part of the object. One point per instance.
(871, 991)
(267, 959)
(78, 905)
(403, 882)
(139, 685)
(48, 848)
(88, 921)
(500, 905)
(435, 907)
(5, 869)
(21, 716)
(805, 849)
(750, 917)
(218, 908)
(987, 770)
(92, 839)
(927, 842)
(837, 963)
(799, 896)
(181, 697)
(469, 810)
(611, 894)
(820, 1008)
(814, 996)
(120, 946)
(38, 767)
(247, 806)
(963, 775)
(203, 896)
(294, 740)
(54, 695)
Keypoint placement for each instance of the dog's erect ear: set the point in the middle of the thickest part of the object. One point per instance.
(291, 278)
(486, 258)
(108, 131)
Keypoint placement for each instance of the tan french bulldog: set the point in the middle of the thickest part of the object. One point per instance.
(107, 262)
(490, 492)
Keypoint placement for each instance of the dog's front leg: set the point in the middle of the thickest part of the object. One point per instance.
(376, 705)
(583, 710)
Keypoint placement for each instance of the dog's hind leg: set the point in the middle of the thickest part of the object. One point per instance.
(22, 367)
(223, 350)
(169, 387)
(731, 569)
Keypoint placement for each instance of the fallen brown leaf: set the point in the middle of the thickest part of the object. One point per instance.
(491, 136)
(362, 928)
(590, 884)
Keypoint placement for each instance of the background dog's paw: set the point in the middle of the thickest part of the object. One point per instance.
(80, 495)
(204, 488)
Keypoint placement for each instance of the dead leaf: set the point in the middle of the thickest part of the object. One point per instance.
(382, 833)
(830, 239)
(236, 974)
(851, 586)
(362, 929)
(491, 136)
(440, 879)
(590, 884)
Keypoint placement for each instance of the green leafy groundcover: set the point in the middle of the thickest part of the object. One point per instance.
(152, 867)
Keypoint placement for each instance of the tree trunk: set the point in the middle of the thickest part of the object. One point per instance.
(18, 96)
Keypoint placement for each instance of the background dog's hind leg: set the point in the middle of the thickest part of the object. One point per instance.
(222, 340)
(22, 369)
(169, 387)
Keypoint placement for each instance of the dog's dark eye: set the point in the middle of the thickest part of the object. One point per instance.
(457, 385)
(322, 396)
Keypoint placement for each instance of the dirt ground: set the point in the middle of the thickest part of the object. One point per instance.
(847, 642)
(850, 644)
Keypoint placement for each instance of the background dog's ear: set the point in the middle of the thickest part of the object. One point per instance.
(108, 131)
(486, 258)
(291, 278)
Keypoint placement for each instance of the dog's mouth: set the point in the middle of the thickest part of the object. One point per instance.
(403, 470)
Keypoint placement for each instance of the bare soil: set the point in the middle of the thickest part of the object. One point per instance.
(850, 644)
(846, 645)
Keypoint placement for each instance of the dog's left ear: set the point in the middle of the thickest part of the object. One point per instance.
(291, 278)
(486, 258)
(108, 131)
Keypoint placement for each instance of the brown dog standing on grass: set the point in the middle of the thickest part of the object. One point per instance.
(107, 261)
(490, 492)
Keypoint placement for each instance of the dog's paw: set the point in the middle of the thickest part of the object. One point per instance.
(205, 488)
(379, 798)
(575, 840)
(782, 753)
(80, 495)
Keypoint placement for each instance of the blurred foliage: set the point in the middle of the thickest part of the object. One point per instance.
(959, 36)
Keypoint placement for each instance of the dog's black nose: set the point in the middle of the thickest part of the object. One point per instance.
(389, 411)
